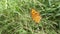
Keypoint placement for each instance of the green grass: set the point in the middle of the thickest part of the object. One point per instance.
(15, 17)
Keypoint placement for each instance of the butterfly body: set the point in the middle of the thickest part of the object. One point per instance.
(35, 16)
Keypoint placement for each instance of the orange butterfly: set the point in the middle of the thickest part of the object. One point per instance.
(35, 16)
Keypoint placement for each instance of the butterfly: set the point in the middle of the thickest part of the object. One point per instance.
(35, 16)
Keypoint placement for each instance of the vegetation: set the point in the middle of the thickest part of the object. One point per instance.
(15, 17)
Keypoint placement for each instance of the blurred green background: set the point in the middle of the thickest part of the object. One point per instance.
(15, 17)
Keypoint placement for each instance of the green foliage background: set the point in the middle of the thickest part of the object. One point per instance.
(15, 17)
